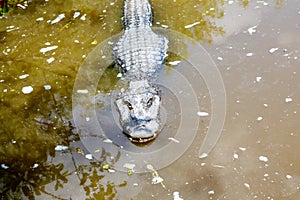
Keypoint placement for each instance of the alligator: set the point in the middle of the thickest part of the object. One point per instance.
(140, 54)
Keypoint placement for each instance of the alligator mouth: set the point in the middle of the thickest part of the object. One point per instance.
(141, 140)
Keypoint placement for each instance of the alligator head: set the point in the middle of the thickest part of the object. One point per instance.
(139, 111)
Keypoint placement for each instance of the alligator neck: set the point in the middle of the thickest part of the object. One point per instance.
(137, 13)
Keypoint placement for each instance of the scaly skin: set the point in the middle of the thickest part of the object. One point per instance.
(140, 53)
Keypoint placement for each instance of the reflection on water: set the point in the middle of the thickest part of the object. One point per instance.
(256, 156)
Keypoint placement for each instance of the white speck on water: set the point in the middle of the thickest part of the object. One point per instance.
(176, 196)
(23, 76)
(82, 91)
(135, 184)
(58, 18)
(164, 26)
(87, 119)
(266, 175)
(202, 164)
(119, 75)
(191, 25)
(258, 78)
(83, 56)
(247, 185)
(203, 155)
(76, 41)
(61, 148)
(157, 179)
(211, 192)
(83, 17)
(249, 54)
(5, 90)
(47, 43)
(272, 50)
(27, 89)
(263, 158)
(174, 63)
(39, 19)
(46, 49)
(265, 105)
(259, 118)
(35, 165)
(89, 156)
(47, 87)
(76, 14)
(242, 148)
(173, 139)
(288, 99)
(288, 176)
(4, 166)
(202, 114)
(252, 30)
(220, 58)
(50, 60)
(230, 2)
(235, 156)
(129, 166)
(107, 140)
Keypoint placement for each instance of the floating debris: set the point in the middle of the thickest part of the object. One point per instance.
(46, 49)
(76, 14)
(23, 76)
(4, 166)
(156, 178)
(82, 91)
(40, 19)
(191, 25)
(47, 87)
(107, 140)
(35, 165)
(242, 148)
(78, 150)
(211, 192)
(220, 58)
(175, 62)
(27, 89)
(249, 54)
(58, 18)
(288, 99)
(252, 30)
(176, 196)
(61, 148)
(119, 75)
(272, 50)
(202, 114)
(50, 60)
(235, 156)
(263, 158)
(259, 118)
(173, 139)
(288, 176)
(83, 17)
(258, 78)
(89, 156)
(247, 185)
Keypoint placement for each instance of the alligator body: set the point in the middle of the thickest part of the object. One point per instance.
(140, 53)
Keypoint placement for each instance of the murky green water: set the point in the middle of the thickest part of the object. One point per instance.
(255, 46)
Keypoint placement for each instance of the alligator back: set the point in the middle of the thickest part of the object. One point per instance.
(139, 52)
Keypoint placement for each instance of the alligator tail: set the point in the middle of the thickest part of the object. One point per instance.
(137, 13)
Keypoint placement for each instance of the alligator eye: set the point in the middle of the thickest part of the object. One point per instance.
(149, 102)
(128, 105)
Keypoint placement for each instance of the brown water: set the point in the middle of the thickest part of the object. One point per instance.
(256, 48)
